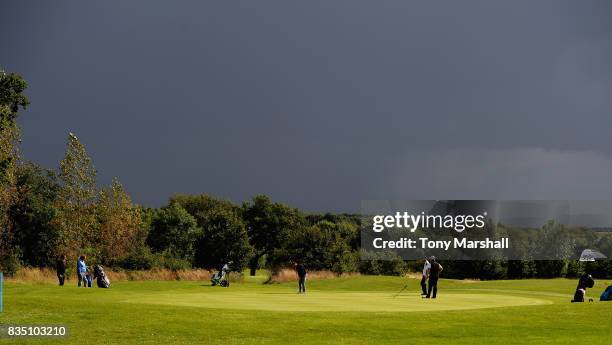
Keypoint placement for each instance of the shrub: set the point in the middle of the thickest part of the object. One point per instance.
(519, 269)
(550, 268)
(169, 260)
(387, 263)
(10, 264)
(574, 269)
(139, 258)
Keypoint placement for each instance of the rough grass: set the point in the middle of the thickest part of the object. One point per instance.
(132, 312)
(47, 275)
(289, 275)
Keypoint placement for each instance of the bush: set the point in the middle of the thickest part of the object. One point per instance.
(171, 262)
(383, 264)
(550, 268)
(492, 269)
(575, 269)
(601, 269)
(475, 269)
(519, 269)
(346, 261)
(140, 258)
(10, 264)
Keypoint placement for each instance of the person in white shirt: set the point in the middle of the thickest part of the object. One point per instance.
(426, 268)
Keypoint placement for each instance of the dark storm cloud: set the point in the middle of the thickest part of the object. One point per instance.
(323, 103)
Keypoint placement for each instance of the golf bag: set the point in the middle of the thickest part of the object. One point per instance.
(101, 278)
(607, 294)
(586, 281)
(222, 276)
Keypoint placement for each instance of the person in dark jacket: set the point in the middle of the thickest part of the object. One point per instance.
(60, 267)
(434, 274)
(301, 272)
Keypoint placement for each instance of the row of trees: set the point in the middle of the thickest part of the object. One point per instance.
(45, 213)
(204, 231)
(522, 269)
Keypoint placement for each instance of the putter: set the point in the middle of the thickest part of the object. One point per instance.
(400, 291)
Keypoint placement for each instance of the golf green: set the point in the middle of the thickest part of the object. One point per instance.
(335, 301)
(353, 310)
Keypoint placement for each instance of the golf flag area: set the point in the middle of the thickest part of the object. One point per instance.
(1, 291)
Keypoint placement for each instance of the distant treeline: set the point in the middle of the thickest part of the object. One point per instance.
(45, 213)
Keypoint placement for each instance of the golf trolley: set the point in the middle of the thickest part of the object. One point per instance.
(221, 278)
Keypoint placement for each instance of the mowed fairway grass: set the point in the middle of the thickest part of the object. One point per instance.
(357, 310)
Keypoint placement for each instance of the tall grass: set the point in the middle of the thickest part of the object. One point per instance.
(48, 275)
(289, 275)
(159, 274)
(34, 275)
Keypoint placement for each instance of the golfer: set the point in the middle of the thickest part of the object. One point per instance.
(434, 274)
(301, 272)
(82, 271)
(60, 267)
(426, 268)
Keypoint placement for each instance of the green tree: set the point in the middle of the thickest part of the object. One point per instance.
(174, 232)
(200, 205)
(268, 226)
(33, 214)
(140, 256)
(77, 206)
(319, 247)
(224, 238)
(120, 222)
(12, 99)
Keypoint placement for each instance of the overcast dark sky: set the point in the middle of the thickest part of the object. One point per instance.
(321, 104)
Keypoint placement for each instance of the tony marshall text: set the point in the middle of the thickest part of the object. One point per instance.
(426, 243)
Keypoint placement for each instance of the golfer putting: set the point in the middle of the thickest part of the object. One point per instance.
(430, 274)
(434, 274)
